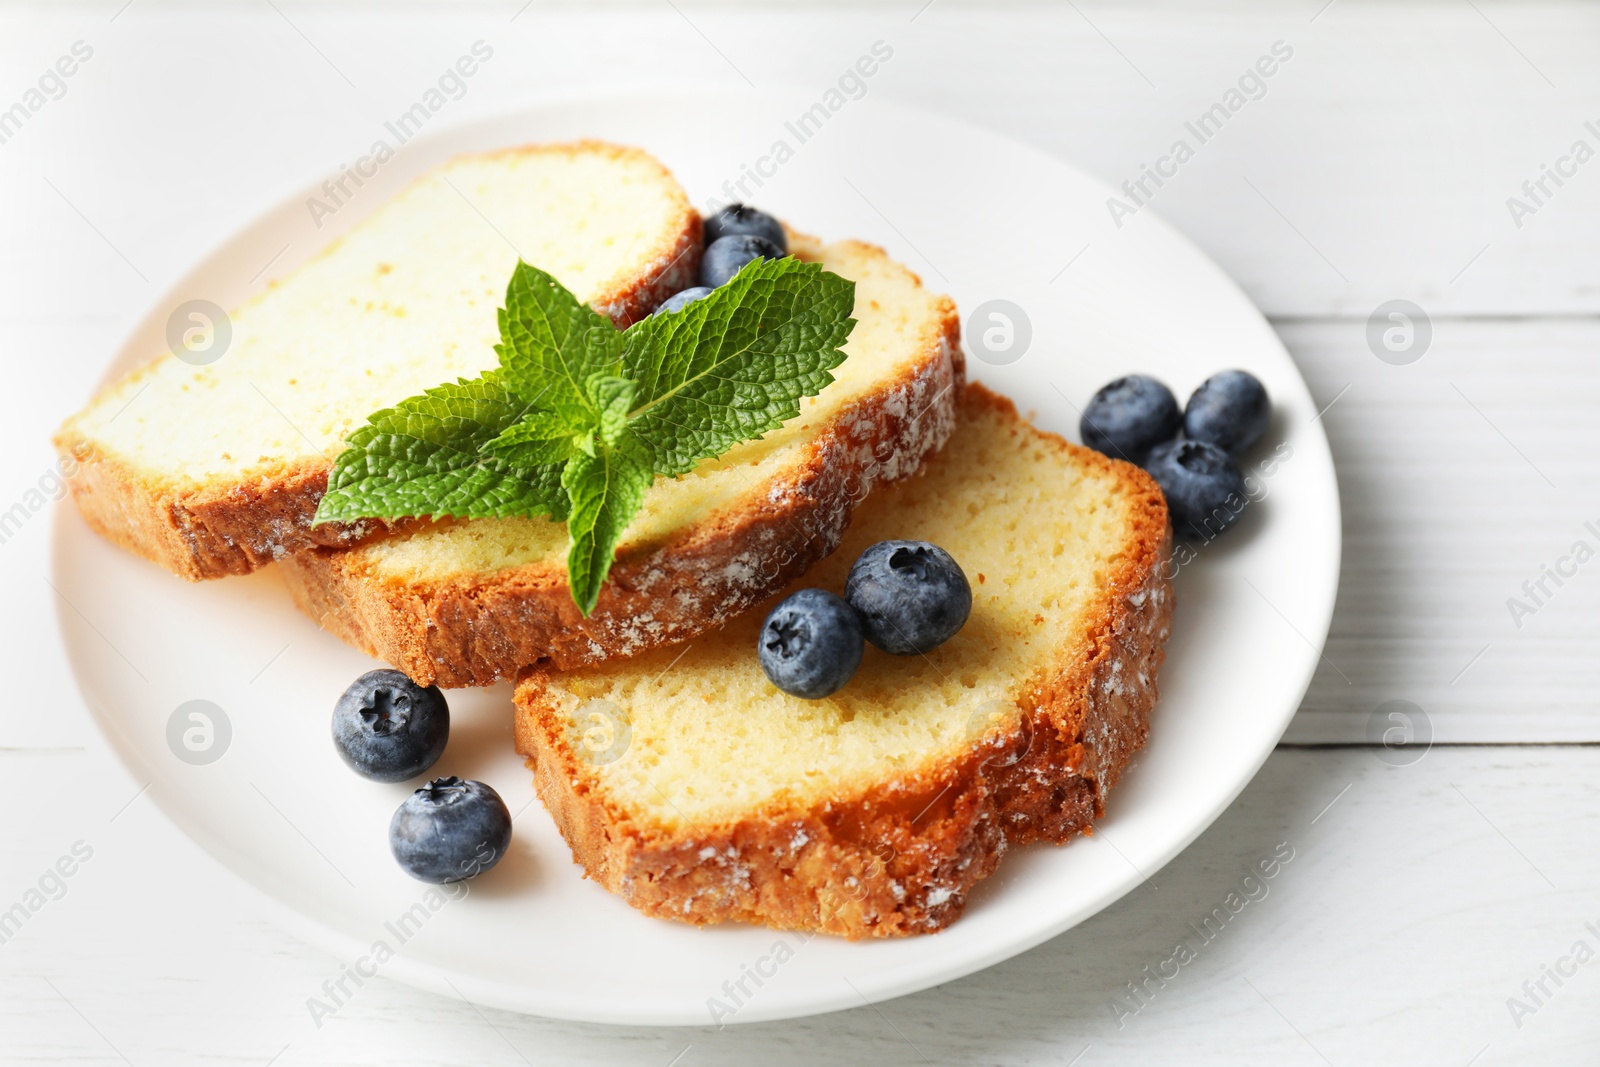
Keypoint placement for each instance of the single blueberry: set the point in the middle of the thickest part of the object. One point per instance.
(912, 596)
(1204, 487)
(682, 299)
(739, 218)
(1230, 410)
(1129, 417)
(725, 256)
(389, 728)
(810, 644)
(450, 830)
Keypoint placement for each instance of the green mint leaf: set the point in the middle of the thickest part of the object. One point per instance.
(606, 490)
(613, 399)
(734, 365)
(581, 417)
(425, 456)
(540, 437)
(551, 342)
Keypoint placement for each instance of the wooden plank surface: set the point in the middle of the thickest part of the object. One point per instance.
(1462, 476)
(1414, 903)
(1376, 165)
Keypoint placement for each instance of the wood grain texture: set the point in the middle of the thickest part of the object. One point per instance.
(1462, 476)
(1376, 164)
(1415, 905)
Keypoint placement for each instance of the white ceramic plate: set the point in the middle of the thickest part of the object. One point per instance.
(979, 216)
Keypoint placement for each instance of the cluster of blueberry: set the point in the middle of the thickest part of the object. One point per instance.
(1137, 419)
(906, 597)
(734, 236)
(388, 728)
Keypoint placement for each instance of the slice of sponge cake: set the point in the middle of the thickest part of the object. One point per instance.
(467, 603)
(686, 783)
(216, 469)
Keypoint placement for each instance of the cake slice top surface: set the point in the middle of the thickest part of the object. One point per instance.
(1048, 534)
(405, 301)
(898, 323)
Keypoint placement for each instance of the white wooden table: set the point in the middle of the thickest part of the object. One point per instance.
(1375, 164)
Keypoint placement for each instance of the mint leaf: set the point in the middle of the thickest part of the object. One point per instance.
(551, 342)
(732, 366)
(580, 417)
(540, 437)
(613, 399)
(606, 490)
(425, 456)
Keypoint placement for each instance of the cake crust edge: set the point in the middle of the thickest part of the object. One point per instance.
(221, 529)
(901, 856)
(477, 630)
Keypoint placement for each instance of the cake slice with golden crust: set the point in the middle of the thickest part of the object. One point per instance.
(217, 469)
(469, 603)
(686, 783)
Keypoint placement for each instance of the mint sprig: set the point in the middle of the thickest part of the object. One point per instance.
(580, 417)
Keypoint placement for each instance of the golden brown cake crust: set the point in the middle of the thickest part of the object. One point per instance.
(476, 630)
(900, 857)
(215, 531)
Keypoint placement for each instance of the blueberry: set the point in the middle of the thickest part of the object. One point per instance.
(683, 299)
(1129, 417)
(912, 596)
(810, 645)
(388, 728)
(737, 218)
(1203, 485)
(1229, 410)
(726, 255)
(450, 830)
